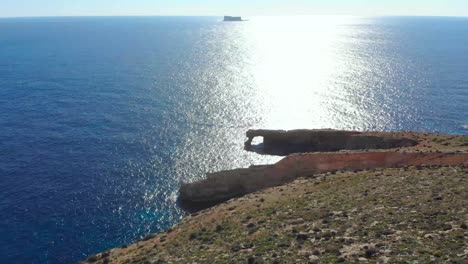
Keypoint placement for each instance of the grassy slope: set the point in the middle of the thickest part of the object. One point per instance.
(389, 215)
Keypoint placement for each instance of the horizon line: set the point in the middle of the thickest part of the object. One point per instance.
(302, 15)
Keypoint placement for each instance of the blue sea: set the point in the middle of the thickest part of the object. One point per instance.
(101, 118)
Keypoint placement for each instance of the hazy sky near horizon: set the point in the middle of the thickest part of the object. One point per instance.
(18, 8)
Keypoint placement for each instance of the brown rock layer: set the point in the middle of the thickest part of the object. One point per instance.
(225, 185)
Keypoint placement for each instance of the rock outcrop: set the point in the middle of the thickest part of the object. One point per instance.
(328, 207)
(283, 142)
(232, 19)
(221, 186)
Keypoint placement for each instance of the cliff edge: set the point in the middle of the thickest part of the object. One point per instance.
(321, 151)
(410, 213)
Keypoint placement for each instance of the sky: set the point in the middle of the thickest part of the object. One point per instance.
(21, 8)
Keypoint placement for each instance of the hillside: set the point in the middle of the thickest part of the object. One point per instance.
(387, 215)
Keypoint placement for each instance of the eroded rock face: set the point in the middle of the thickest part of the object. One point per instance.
(225, 185)
(282, 142)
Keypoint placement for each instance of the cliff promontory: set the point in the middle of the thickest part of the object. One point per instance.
(405, 204)
(320, 151)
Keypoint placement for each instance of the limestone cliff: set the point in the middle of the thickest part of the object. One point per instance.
(225, 185)
(283, 142)
(349, 206)
(375, 150)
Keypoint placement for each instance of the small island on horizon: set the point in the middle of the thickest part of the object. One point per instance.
(232, 18)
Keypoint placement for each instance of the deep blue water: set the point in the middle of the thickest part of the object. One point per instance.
(101, 118)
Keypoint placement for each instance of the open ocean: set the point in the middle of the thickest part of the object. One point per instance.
(102, 117)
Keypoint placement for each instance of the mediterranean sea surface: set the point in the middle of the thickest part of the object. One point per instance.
(101, 118)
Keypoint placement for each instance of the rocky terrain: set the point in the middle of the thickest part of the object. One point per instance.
(407, 214)
(285, 142)
(352, 151)
(224, 185)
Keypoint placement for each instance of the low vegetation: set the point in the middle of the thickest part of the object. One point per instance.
(378, 216)
(393, 215)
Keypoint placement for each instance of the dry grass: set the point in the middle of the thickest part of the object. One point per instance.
(394, 215)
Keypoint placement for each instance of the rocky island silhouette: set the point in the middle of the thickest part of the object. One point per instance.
(232, 18)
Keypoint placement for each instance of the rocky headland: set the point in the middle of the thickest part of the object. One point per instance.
(284, 142)
(339, 196)
(315, 152)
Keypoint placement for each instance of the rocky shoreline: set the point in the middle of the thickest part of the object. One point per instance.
(359, 196)
(321, 151)
(222, 186)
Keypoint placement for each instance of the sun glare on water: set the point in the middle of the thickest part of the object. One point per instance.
(294, 63)
(271, 73)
